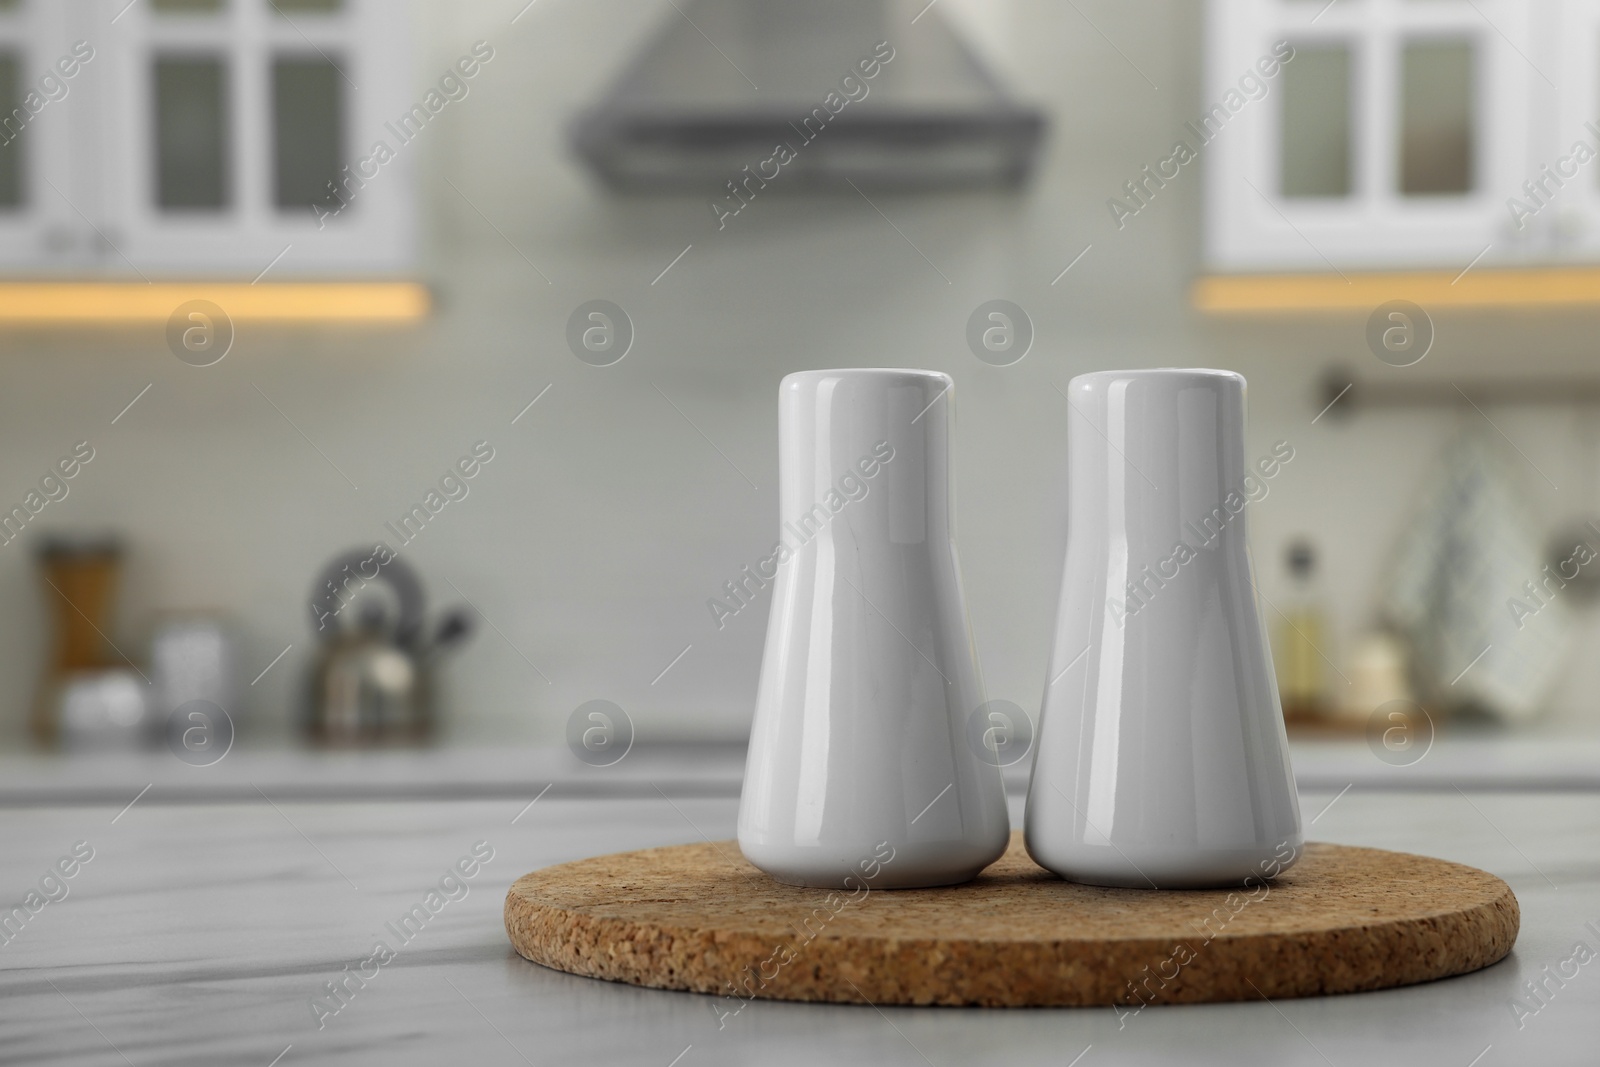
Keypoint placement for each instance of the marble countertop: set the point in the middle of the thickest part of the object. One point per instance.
(205, 932)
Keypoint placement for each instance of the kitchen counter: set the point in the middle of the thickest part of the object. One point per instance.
(1517, 763)
(202, 933)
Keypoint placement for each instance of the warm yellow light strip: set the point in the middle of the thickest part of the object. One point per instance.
(1281, 294)
(118, 303)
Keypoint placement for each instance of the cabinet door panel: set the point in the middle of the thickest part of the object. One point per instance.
(235, 119)
(1561, 212)
(1390, 139)
(43, 124)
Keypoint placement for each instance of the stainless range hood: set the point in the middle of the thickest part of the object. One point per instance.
(853, 89)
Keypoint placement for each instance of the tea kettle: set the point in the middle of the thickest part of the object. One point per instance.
(372, 681)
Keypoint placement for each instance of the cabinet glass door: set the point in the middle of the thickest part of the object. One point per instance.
(42, 119)
(241, 122)
(1388, 140)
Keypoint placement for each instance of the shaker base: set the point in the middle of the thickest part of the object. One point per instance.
(932, 881)
(1133, 867)
(913, 867)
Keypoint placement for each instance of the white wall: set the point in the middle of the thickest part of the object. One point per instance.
(606, 520)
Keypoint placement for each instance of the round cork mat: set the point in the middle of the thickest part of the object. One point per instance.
(699, 917)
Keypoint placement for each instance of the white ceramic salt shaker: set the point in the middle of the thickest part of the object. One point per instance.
(1161, 758)
(859, 772)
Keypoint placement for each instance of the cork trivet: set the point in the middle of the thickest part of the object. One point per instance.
(699, 917)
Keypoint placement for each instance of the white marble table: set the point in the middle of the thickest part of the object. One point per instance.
(202, 933)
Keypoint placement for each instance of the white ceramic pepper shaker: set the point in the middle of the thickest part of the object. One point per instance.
(859, 772)
(1161, 758)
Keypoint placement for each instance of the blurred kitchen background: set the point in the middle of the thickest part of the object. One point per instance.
(389, 314)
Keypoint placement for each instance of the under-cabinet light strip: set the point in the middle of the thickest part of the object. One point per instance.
(1272, 294)
(118, 303)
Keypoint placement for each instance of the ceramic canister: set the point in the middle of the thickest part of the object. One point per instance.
(859, 770)
(1161, 758)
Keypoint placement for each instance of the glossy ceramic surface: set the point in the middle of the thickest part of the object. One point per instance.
(1161, 757)
(859, 763)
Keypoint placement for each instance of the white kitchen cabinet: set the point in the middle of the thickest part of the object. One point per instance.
(207, 136)
(1400, 131)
